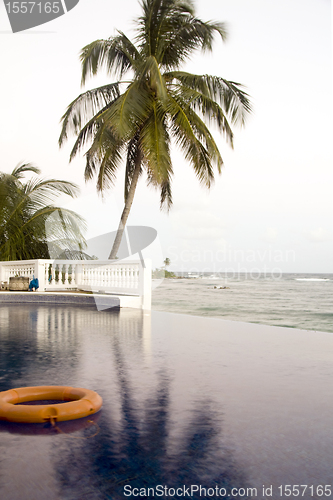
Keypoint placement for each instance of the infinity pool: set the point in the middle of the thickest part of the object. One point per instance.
(234, 409)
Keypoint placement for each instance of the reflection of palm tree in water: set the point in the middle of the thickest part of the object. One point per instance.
(137, 453)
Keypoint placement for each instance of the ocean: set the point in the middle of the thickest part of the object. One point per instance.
(302, 301)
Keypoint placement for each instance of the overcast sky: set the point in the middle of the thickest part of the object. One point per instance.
(271, 209)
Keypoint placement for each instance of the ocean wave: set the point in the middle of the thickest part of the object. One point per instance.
(312, 279)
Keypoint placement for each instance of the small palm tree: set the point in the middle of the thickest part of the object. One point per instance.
(136, 118)
(167, 262)
(25, 209)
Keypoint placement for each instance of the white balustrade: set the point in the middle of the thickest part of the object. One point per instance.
(123, 277)
(116, 277)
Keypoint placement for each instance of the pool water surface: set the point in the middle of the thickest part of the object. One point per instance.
(237, 409)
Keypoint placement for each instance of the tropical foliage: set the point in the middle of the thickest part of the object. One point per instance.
(160, 273)
(153, 102)
(30, 225)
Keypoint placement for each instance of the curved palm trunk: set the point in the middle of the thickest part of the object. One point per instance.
(126, 211)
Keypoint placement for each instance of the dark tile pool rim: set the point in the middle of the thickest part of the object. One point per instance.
(14, 297)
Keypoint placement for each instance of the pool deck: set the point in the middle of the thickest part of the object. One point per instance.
(77, 298)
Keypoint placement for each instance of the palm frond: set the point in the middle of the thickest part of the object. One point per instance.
(230, 95)
(188, 131)
(169, 30)
(130, 110)
(155, 142)
(45, 191)
(187, 37)
(103, 158)
(20, 170)
(207, 107)
(166, 195)
(87, 106)
(151, 71)
(116, 55)
(91, 130)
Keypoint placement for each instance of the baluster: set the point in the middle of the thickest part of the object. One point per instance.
(66, 283)
(121, 274)
(130, 274)
(52, 274)
(112, 271)
(126, 277)
(120, 271)
(46, 277)
(106, 276)
(131, 280)
(130, 277)
(73, 274)
(133, 277)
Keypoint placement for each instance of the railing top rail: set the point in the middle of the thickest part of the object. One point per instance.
(110, 262)
(65, 261)
(23, 262)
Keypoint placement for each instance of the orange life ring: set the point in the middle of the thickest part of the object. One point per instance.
(81, 403)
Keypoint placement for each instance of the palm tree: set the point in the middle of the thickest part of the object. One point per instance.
(25, 209)
(138, 117)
